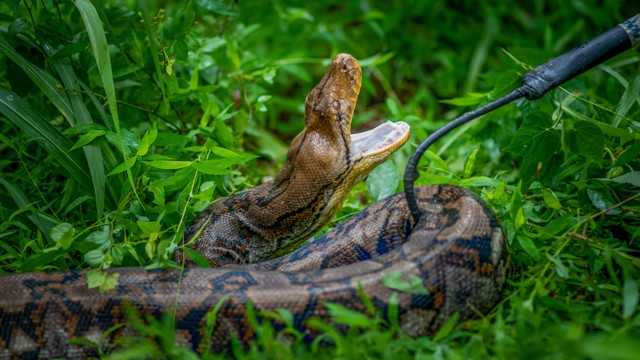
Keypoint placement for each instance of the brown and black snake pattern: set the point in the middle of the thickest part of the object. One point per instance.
(457, 249)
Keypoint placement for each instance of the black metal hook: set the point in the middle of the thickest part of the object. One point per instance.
(535, 84)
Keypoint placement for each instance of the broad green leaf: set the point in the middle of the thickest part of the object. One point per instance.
(87, 138)
(631, 178)
(436, 161)
(602, 202)
(383, 181)
(198, 258)
(124, 166)
(551, 200)
(343, 315)
(42, 260)
(63, 235)
(210, 169)
(168, 164)
(480, 181)
(94, 257)
(148, 139)
(536, 139)
(585, 139)
(412, 284)
(528, 246)
(149, 227)
(101, 279)
(558, 226)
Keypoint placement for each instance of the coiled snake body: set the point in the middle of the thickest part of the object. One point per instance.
(457, 250)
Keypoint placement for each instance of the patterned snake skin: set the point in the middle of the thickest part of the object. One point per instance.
(457, 249)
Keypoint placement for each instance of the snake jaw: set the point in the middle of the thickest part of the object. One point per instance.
(380, 141)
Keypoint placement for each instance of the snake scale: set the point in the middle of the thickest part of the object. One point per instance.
(457, 249)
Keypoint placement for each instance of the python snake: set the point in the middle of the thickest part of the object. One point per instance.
(457, 249)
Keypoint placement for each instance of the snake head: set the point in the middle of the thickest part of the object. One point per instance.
(329, 111)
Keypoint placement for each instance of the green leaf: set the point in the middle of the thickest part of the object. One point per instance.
(601, 201)
(94, 257)
(558, 226)
(561, 269)
(124, 166)
(383, 181)
(232, 51)
(536, 139)
(631, 178)
(62, 234)
(343, 315)
(39, 129)
(168, 164)
(528, 246)
(93, 152)
(470, 163)
(447, 327)
(629, 154)
(98, 41)
(101, 279)
(208, 168)
(148, 139)
(45, 82)
(585, 139)
(87, 138)
(412, 284)
(22, 201)
(437, 162)
(551, 200)
(198, 258)
(630, 96)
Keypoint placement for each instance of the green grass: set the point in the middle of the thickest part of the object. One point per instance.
(111, 116)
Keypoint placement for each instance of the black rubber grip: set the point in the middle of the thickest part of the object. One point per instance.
(556, 71)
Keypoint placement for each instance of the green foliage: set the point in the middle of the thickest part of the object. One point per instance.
(120, 120)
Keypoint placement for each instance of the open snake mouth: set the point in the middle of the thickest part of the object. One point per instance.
(384, 138)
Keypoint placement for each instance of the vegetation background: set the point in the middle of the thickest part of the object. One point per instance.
(120, 120)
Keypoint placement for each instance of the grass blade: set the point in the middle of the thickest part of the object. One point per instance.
(22, 201)
(93, 152)
(43, 80)
(101, 53)
(38, 128)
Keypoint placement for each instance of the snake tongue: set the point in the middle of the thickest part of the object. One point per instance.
(385, 138)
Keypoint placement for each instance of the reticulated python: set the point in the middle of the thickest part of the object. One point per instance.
(457, 249)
